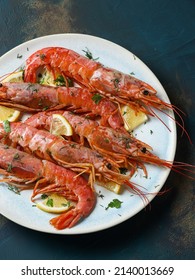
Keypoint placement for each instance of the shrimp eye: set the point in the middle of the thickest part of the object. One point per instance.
(109, 165)
(143, 150)
(1, 85)
(145, 92)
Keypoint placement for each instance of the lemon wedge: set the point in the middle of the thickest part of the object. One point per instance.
(60, 126)
(8, 114)
(45, 77)
(132, 118)
(54, 203)
(111, 186)
(14, 77)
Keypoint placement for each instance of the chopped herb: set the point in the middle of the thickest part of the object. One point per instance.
(42, 56)
(100, 195)
(45, 108)
(73, 145)
(89, 55)
(6, 147)
(61, 81)
(13, 189)
(6, 126)
(124, 113)
(66, 204)
(115, 203)
(9, 167)
(87, 117)
(49, 202)
(151, 131)
(132, 73)
(16, 156)
(43, 196)
(116, 82)
(19, 55)
(97, 98)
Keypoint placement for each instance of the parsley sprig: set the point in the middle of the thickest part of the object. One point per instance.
(115, 203)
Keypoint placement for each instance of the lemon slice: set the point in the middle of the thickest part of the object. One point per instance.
(14, 77)
(54, 203)
(45, 77)
(111, 186)
(132, 119)
(60, 126)
(8, 114)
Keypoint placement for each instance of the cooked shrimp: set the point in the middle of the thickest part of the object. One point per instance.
(118, 144)
(67, 153)
(35, 97)
(24, 170)
(120, 87)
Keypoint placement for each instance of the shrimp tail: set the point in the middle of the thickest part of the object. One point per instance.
(66, 220)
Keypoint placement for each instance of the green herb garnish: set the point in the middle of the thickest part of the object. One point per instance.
(49, 202)
(43, 196)
(19, 55)
(16, 156)
(115, 203)
(97, 98)
(13, 189)
(42, 56)
(66, 204)
(61, 81)
(89, 55)
(9, 167)
(116, 83)
(6, 126)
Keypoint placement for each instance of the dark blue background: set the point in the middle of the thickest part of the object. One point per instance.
(162, 34)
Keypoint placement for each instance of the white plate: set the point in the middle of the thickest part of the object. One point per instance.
(18, 208)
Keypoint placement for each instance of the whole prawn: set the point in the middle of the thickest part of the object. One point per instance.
(67, 153)
(119, 86)
(36, 97)
(118, 144)
(24, 170)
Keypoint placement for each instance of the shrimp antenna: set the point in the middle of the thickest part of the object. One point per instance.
(176, 111)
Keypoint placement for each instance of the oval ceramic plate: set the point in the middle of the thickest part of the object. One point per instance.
(19, 208)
